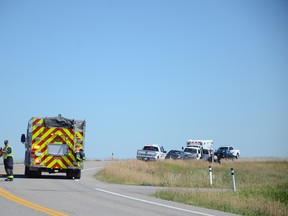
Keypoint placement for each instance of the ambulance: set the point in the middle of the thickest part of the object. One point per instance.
(202, 149)
(50, 146)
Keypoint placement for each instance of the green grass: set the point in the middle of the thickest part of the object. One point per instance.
(262, 187)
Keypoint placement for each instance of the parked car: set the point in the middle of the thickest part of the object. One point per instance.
(228, 152)
(175, 154)
(225, 154)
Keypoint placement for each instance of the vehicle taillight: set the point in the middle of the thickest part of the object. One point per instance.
(37, 161)
(36, 147)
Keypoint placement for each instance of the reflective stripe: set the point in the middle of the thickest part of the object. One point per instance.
(6, 155)
(78, 156)
(41, 137)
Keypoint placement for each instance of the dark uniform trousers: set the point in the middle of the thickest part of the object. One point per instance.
(8, 164)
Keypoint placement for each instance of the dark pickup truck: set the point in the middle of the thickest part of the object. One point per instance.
(227, 152)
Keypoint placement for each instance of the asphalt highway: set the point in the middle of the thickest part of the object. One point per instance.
(56, 195)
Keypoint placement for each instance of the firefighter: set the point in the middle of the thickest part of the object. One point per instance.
(8, 160)
(79, 154)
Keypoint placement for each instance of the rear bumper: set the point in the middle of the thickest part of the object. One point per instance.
(52, 170)
(145, 158)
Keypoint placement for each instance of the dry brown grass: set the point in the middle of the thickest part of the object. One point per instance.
(262, 186)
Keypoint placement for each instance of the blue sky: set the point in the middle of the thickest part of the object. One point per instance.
(161, 71)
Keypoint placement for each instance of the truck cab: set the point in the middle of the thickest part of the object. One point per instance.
(151, 152)
(228, 152)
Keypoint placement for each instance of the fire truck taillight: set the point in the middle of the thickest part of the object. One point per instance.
(37, 161)
(36, 147)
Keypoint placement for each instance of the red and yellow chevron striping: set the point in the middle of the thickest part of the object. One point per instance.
(44, 138)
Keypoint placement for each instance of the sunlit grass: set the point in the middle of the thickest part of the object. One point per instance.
(262, 187)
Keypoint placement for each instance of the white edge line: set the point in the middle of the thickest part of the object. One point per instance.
(84, 170)
(152, 203)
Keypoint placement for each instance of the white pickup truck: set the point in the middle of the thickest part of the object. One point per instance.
(228, 152)
(151, 152)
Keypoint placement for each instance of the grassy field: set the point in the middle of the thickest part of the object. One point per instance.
(261, 186)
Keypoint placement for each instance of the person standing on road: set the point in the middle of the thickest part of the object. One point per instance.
(79, 155)
(219, 158)
(8, 160)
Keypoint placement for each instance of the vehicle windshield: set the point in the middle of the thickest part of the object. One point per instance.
(175, 152)
(191, 150)
(150, 148)
(205, 151)
(223, 148)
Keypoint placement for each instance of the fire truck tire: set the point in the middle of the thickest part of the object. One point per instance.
(76, 174)
(26, 171)
(69, 174)
(32, 174)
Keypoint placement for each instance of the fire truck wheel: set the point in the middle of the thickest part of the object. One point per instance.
(26, 171)
(32, 174)
(76, 174)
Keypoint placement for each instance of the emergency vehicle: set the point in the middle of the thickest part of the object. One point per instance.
(50, 146)
(202, 148)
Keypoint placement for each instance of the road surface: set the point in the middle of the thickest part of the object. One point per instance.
(56, 195)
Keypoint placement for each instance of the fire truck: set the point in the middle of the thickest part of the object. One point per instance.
(50, 146)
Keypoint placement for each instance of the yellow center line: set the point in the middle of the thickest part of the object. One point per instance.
(28, 204)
